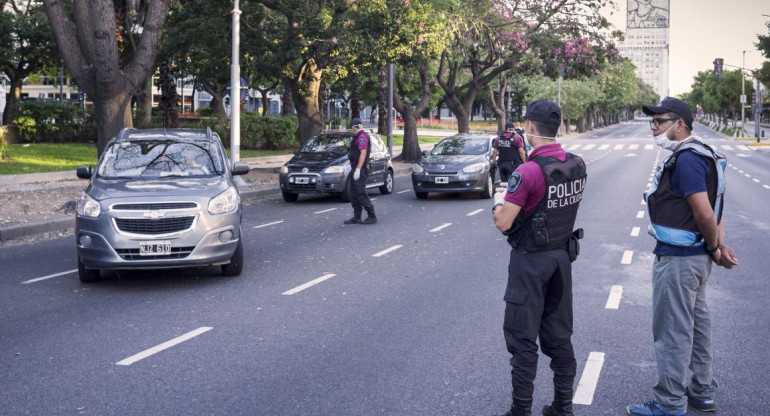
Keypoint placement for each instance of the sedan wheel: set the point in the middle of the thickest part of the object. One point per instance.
(388, 187)
(289, 197)
(489, 190)
(421, 195)
(87, 275)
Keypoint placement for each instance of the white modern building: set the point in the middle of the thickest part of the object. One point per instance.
(646, 41)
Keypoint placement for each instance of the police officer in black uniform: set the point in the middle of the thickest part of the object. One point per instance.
(508, 152)
(537, 211)
(358, 155)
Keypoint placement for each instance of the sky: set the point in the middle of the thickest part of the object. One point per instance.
(702, 30)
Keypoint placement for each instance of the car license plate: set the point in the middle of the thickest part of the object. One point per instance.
(301, 180)
(442, 179)
(154, 248)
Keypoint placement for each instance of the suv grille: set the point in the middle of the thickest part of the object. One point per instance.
(298, 169)
(154, 227)
(155, 206)
(176, 253)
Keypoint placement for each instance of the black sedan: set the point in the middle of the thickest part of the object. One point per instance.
(321, 166)
(458, 163)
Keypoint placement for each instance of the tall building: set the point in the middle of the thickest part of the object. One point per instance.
(646, 42)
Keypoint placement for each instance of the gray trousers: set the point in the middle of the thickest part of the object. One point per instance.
(681, 328)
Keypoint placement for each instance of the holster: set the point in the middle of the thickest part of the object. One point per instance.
(573, 247)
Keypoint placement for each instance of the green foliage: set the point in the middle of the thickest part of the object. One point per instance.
(3, 144)
(49, 122)
(47, 157)
(203, 112)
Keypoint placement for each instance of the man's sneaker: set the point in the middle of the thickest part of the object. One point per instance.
(353, 220)
(702, 405)
(652, 408)
(369, 220)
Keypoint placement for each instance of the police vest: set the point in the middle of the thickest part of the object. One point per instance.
(550, 225)
(671, 218)
(354, 153)
(507, 150)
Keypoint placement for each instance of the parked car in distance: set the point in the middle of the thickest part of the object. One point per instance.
(321, 166)
(160, 199)
(457, 164)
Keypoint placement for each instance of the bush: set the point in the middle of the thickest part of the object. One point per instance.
(3, 143)
(49, 122)
(270, 133)
(204, 112)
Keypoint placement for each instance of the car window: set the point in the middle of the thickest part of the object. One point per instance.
(377, 145)
(462, 146)
(156, 158)
(328, 143)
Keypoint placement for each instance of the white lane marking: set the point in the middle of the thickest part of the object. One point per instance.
(755, 180)
(584, 394)
(742, 155)
(472, 213)
(574, 147)
(644, 202)
(743, 147)
(440, 227)
(740, 171)
(635, 231)
(766, 186)
(401, 192)
(50, 276)
(633, 147)
(313, 282)
(627, 256)
(604, 147)
(326, 210)
(618, 147)
(747, 175)
(613, 301)
(640, 214)
(589, 146)
(268, 224)
(166, 345)
(388, 250)
(726, 147)
(647, 147)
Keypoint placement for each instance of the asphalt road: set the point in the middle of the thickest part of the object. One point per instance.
(404, 317)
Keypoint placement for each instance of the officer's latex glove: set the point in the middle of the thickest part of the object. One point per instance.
(357, 174)
(500, 196)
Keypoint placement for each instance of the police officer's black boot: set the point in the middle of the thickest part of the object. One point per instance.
(563, 379)
(370, 217)
(356, 219)
(522, 379)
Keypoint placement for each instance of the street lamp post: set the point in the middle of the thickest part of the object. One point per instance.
(235, 92)
(743, 93)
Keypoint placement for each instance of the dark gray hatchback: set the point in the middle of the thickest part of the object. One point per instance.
(160, 199)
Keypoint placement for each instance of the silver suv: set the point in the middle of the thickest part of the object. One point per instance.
(160, 199)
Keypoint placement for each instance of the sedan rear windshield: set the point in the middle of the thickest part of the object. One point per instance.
(461, 146)
(153, 159)
(328, 143)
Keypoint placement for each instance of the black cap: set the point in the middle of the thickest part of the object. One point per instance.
(544, 111)
(671, 105)
(355, 122)
(508, 125)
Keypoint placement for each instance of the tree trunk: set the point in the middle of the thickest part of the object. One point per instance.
(218, 106)
(382, 100)
(461, 109)
(265, 103)
(144, 103)
(355, 96)
(581, 125)
(498, 106)
(287, 104)
(12, 101)
(306, 103)
(112, 114)
(410, 152)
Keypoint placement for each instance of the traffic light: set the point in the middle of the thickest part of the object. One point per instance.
(718, 67)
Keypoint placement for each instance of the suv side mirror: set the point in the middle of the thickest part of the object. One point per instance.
(240, 168)
(84, 172)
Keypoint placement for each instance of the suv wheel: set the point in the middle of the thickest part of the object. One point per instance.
(235, 267)
(421, 195)
(289, 197)
(388, 187)
(87, 275)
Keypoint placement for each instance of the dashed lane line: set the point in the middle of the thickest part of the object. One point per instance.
(640, 214)
(755, 180)
(648, 147)
(268, 224)
(311, 283)
(50, 276)
(604, 147)
(326, 210)
(589, 146)
(574, 147)
(618, 147)
(388, 250)
(633, 147)
(726, 147)
(635, 231)
(584, 394)
(613, 301)
(766, 186)
(472, 213)
(405, 191)
(440, 227)
(743, 147)
(628, 255)
(164, 346)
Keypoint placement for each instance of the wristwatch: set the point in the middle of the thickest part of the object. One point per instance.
(712, 250)
(494, 207)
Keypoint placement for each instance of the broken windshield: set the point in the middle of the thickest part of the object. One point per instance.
(153, 158)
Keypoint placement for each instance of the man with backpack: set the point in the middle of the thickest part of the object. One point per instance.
(508, 152)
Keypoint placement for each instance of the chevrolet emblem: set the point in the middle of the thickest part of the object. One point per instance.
(305, 170)
(154, 215)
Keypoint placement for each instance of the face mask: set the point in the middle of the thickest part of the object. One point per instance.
(664, 143)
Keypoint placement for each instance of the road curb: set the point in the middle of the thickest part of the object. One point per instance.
(15, 232)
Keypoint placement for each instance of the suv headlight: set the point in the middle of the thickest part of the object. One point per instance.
(284, 169)
(335, 169)
(88, 207)
(417, 168)
(223, 203)
(476, 167)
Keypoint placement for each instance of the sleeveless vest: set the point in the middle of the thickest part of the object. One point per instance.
(507, 150)
(354, 153)
(550, 225)
(671, 218)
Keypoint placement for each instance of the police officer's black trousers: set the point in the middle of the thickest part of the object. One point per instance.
(359, 199)
(539, 305)
(506, 169)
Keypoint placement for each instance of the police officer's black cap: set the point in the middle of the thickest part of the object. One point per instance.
(508, 125)
(355, 122)
(544, 111)
(671, 105)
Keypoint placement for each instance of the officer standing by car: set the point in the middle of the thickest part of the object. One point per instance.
(537, 212)
(358, 154)
(508, 152)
